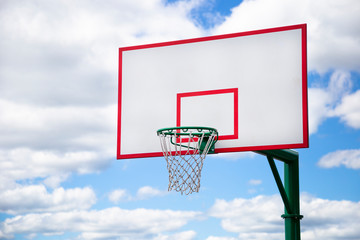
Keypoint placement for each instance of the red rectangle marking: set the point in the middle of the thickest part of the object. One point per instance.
(234, 91)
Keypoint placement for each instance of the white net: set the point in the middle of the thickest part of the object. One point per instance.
(185, 150)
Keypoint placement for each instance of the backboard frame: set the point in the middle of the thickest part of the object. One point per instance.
(180, 96)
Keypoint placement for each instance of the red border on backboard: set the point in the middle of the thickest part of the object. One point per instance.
(305, 142)
(180, 96)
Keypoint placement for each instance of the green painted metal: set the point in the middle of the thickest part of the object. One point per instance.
(185, 130)
(284, 155)
(279, 184)
(289, 191)
(291, 182)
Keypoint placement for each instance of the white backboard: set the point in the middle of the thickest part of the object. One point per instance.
(250, 86)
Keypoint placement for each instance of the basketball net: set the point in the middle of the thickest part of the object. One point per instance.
(185, 150)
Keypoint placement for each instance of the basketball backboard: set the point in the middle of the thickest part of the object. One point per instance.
(250, 86)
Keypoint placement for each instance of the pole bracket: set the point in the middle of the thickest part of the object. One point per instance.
(294, 216)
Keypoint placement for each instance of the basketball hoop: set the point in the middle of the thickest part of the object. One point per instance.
(185, 149)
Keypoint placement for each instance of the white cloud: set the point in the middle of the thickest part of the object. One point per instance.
(348, 158)
(323, 102)
(186, 235)
(259, 218)
(52, 166)
(52, 142)
(35, 198)
(329, 219)
(108, 223)
(119, 195)
(220, 238)
(143, 193)
(340, 84)
(149, 192)
(63, 127)
(318, 107)
(255, 182)
(255, 218)
(349, 110)
(332, 34)
(54, 181)
(250, 218)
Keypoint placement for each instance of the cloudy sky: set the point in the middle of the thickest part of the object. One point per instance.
(59, 177)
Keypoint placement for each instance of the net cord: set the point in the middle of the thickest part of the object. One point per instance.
(185, 159)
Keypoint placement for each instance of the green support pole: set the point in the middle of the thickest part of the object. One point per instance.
(292, 219)
(289, 191)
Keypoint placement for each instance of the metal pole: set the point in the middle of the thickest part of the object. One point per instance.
(292, 219)
(290, 191)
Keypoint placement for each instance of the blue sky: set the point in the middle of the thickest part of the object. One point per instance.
(59, 177)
